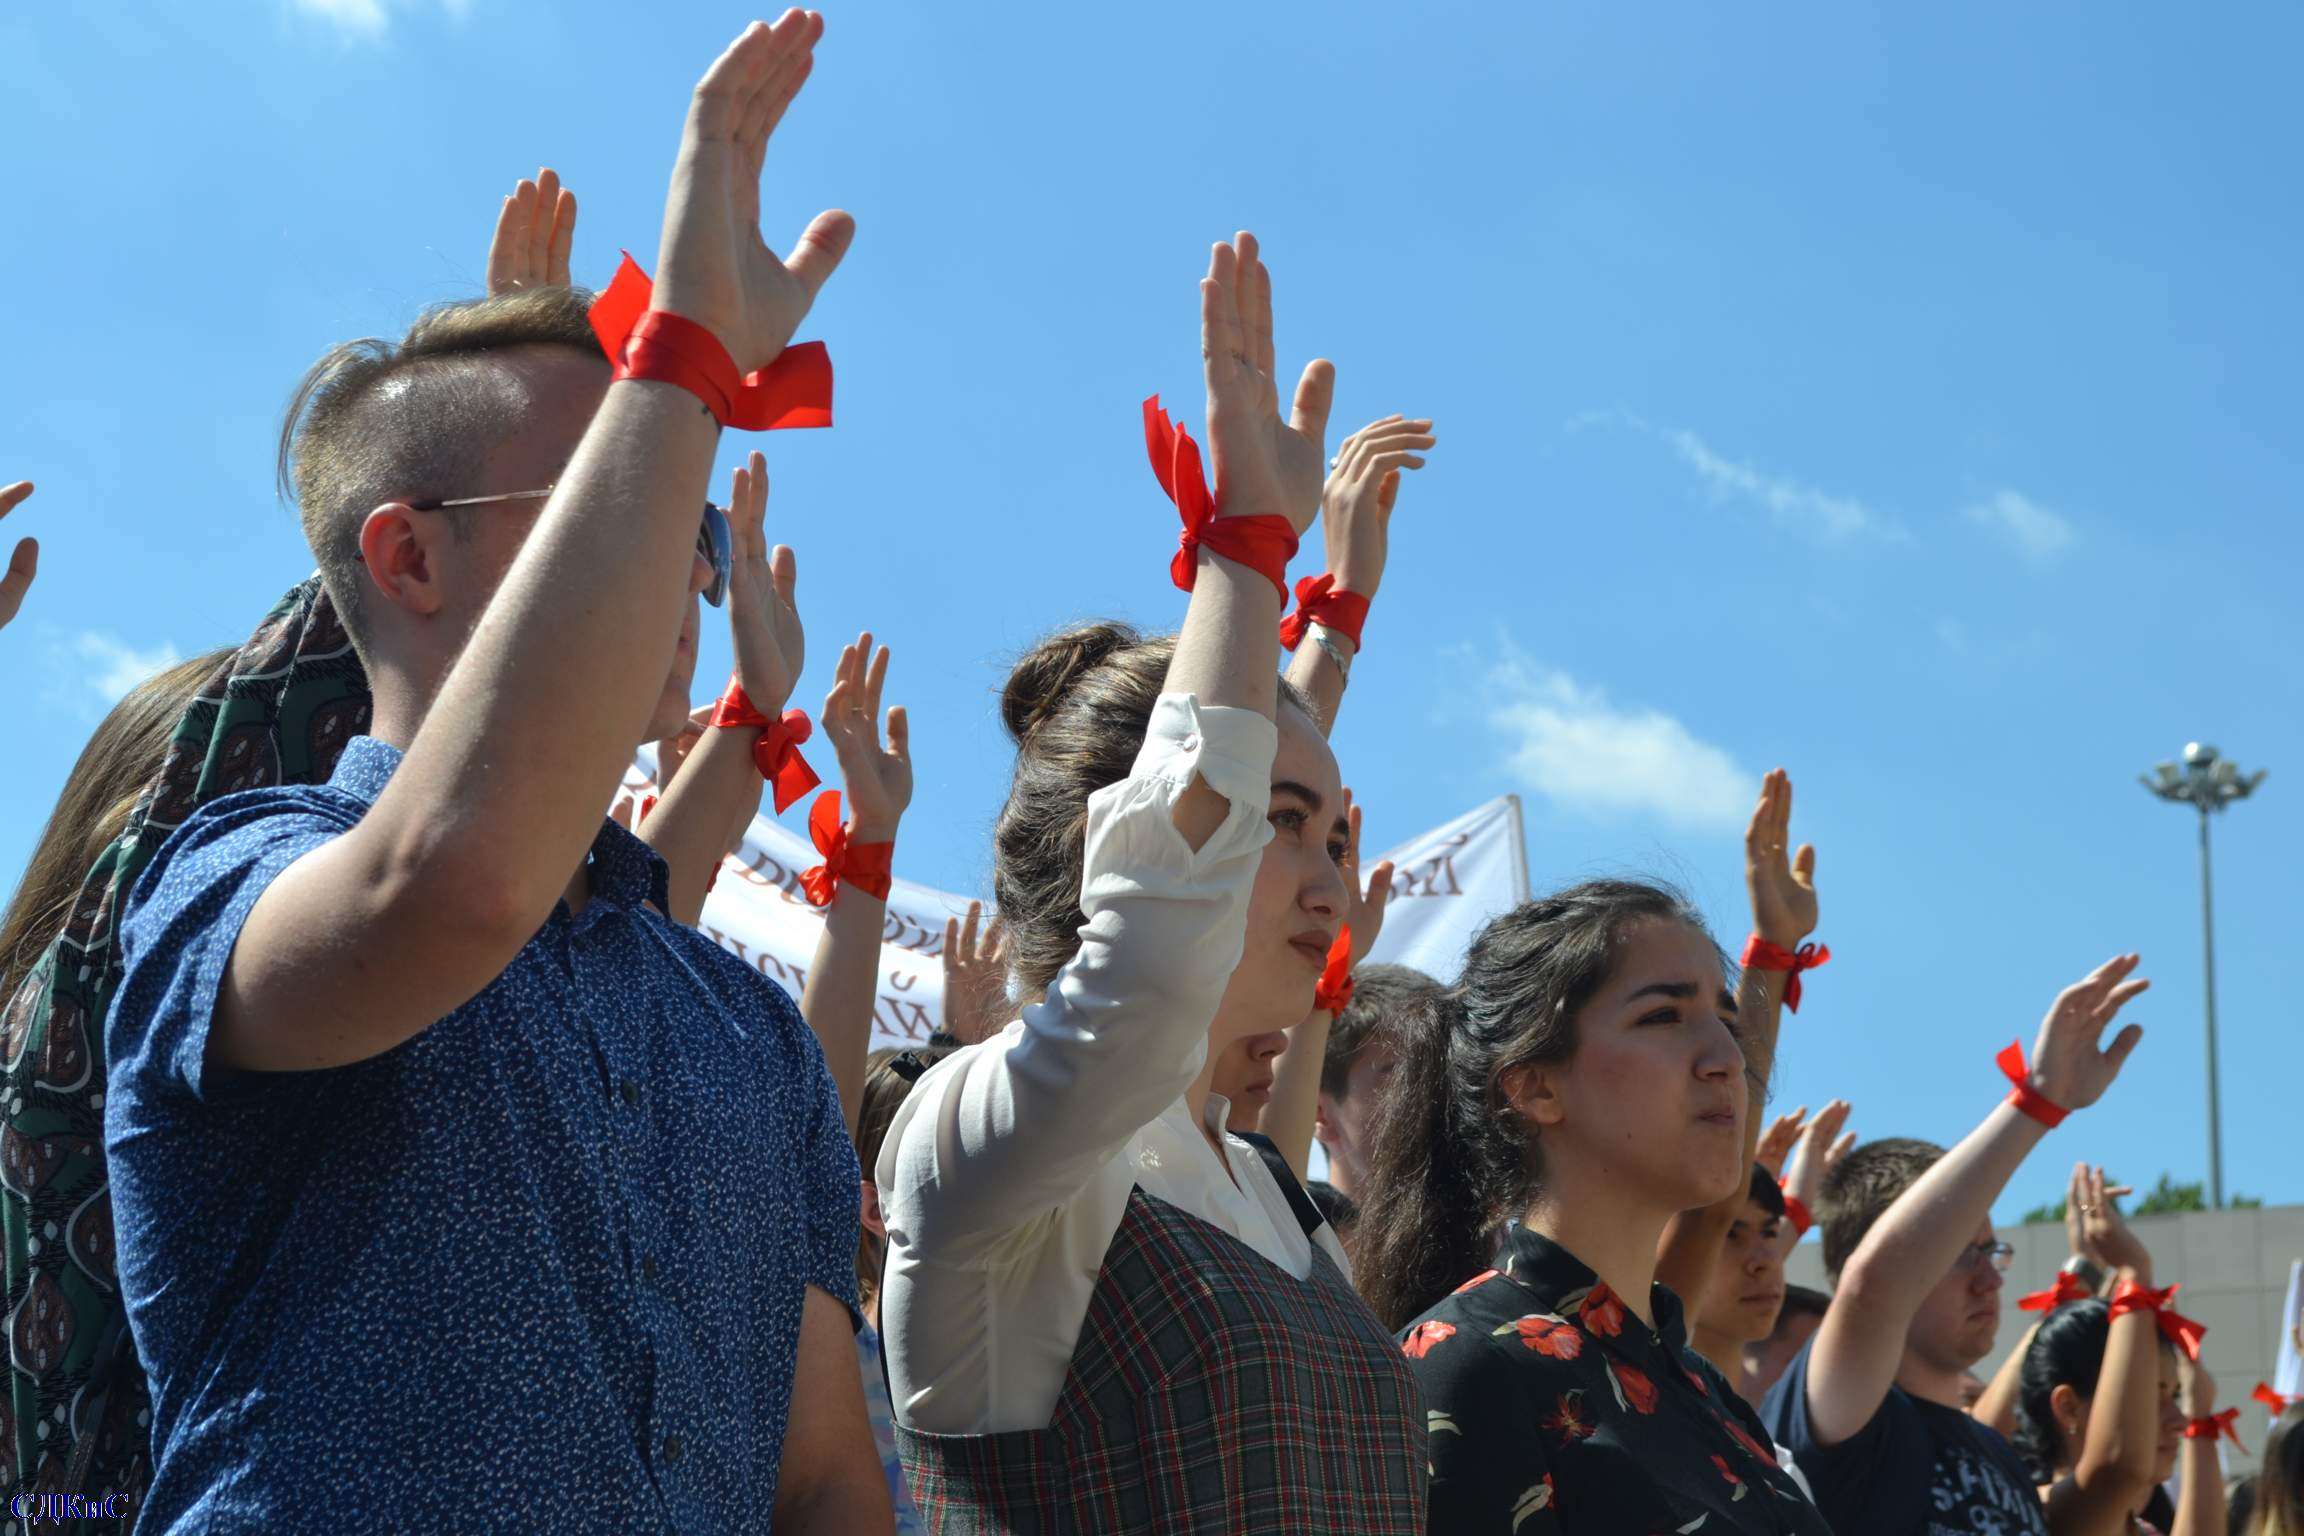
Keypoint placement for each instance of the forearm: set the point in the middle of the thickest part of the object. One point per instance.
(843, 988)
(689, 828)
(1225, 657)
(2200, 1507)
(572, 651)
(1996, 1409)
(1921, 1236)
(2123, 1431)
(1296, 1091)
(1314, 673)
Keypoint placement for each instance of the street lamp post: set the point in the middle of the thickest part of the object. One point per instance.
(2207, 783)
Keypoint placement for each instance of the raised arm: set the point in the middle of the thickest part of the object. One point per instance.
(1915, 1244)
(465, 853)
(976, 1002)
(1782, 887)
(1000, 1135)
(2112, 1475)
(1295, 1103)
(2200, 1503)
(1356, 526)
(24, 564)
(1997, 1407)
(844, 978)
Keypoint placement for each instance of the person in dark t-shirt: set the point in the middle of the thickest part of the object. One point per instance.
(1870, 1408)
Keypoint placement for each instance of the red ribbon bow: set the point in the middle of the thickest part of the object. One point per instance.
(2278, 1402)
(1796, 1212)
(794, 390)
(865, 866)
(2216, 1424)
(1263, 544)
(2068, 1287)
(2180, 1330)
(1320, 601)
(1335, 990)
(2027, 1099)
(1774, 957)
(777, 753)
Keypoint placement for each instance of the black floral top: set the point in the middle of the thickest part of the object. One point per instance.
(1552, 1410)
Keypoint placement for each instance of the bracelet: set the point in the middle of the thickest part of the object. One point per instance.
(1761, 955)
(1263, 544)
(1334, 652)
(2029, 1101)
(2178, 1329)
(777, 753)
(1334, 993)
(2213, 1425)
(865, 866)
(1320, 601)
(794, 390)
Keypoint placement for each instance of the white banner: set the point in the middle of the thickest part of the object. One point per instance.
(2288, 1375)
(1448, 882)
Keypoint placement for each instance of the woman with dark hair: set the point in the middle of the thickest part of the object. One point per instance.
(1584, 1084)
(2279, 1492)
(1102, 1313)
(2108, 1403)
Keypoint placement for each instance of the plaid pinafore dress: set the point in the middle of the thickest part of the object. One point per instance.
(1210, 1391)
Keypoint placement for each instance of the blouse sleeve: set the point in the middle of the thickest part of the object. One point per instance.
(1489, 1473)
(1000, 1134)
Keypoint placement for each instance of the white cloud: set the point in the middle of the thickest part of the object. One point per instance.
(1791, 503)
(114, 666)
(1569, 743)
(365, 20)
(2038, 534)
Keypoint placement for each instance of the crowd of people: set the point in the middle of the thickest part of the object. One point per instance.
(386, 1149)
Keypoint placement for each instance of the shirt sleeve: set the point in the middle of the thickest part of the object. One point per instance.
(830, 1177)
(181, 924)
(1851, 1474)
(1489, 1472)
(999, 1134)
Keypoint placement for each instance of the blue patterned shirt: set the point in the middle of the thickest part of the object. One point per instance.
(538, 1268)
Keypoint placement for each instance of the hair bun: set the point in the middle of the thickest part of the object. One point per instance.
(1046, 674)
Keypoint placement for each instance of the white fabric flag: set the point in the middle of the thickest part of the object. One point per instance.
(2288, 1375)
(1449, 881)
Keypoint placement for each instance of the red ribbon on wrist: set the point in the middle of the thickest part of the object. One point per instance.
(2216, 1424)
(1335, 990)
(2068, 1287)
(794, 390)
(1796, 1212)
(866, 866)
(777, 753)
(2027, 1099)
(1774, 957)
(2278, 1402)
(1263, 544)
(2178, 1329)
(1320, 601)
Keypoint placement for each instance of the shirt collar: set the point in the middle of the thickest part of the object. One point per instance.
(1561, 1283)
(625, 870)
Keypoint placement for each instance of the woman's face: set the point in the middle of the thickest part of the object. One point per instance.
(1650, 1107)
(1298, 901)
(1244, 1077)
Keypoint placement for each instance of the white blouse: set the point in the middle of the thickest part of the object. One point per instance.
(1007, 1171)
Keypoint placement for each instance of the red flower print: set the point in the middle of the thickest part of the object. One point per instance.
(1568, 1421)
(1547, 1335)
(1601, 1312)
(1481, 1278)
(1696, 1380)
(1633, 1386)
(1424, 1335)
(1722, 1463)
(1743, 1437)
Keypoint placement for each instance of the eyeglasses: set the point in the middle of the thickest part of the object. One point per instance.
(1975, 1256)
(714, 546)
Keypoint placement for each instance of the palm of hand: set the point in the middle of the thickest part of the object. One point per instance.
(770, 640)
(879, 783)
(1784, 902)
(1263, 465)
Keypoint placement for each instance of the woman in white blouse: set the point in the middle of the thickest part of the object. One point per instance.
(1102, 1313)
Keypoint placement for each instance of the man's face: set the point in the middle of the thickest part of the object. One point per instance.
(1747, 1288)
(1957, 1324)
(1348, 1125)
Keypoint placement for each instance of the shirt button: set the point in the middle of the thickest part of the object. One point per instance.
(671, 1448)
(1191, 742)
(630, 1091)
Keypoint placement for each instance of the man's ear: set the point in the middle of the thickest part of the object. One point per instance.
(1324, 1122)
(1533, 1092)
(400, 549)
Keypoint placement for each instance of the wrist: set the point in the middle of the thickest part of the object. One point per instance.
(873, 829)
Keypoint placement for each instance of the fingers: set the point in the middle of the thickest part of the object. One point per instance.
(968, 932)
(1840, 1149)
(2119, 997)
(506, 244)
(2123, 1045)
(539, 231)
(784, 574)
(1220, 317)
(23, 565)
(12, 496)
(1804, 865)
(1255, 299)
(563, 238)
(783, 69)
(1315, 393)
(900, 733)
(875, 678)
(951, 948)
(822, 244)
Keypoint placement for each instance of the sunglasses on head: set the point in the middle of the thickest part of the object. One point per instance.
(714, 545)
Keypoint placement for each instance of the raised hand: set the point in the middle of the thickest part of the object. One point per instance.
(2105, 1235)
(533, 233)
(1783, 888)
(975, 977)
(1817, 1153)
(2195, 1388)
(1263, 466)
(1365, 903)
(713, 267)
(879, 781)
(763, 620)
(2068, 1067)
(24, 563)
(1356, 503)
(1777, 1141)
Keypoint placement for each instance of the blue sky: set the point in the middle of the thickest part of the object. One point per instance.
(1905, 395)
